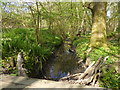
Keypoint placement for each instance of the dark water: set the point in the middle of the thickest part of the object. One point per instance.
(63, 63)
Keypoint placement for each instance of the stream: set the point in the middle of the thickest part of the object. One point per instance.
(63, 62)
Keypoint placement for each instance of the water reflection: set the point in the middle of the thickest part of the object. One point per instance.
(64, 63)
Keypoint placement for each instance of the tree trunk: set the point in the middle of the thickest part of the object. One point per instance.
(98, 37)
(36, 21)
(20, 65)
(38, 24)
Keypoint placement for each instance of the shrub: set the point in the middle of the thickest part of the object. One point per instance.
(109, 78)
(82, 45)
(23, 40)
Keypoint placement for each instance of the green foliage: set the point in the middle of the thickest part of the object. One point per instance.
(82, 45)
(97, 52)
(16, 40)
(109, 78)
(111, 34)
(50, 39)
(13, 74)
(23, 40)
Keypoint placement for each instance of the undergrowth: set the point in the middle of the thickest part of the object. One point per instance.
(23, 40)
(109, 78)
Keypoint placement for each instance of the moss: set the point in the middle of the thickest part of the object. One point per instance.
(98, 37)
(82, 44)
(109, 78)
(111, 52)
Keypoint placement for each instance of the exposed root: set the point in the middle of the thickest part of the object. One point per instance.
(90, 75)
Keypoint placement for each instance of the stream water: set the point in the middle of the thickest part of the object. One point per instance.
(62, 63)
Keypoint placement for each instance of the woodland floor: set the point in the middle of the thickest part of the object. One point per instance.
(8, 81)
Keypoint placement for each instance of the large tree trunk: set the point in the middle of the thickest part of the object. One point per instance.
(98, 37)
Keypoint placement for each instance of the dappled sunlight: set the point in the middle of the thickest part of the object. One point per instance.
(15, 82)
(98, 37)
(9, 82)
(63, 64)
(60, 45)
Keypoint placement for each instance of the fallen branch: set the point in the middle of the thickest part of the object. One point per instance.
(70, 76)
(90, 75)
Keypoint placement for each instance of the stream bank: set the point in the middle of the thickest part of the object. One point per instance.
(62, 63)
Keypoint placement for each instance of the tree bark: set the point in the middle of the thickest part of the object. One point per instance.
(98, 37)
(38, 25)
(20, 65)
(36, 22)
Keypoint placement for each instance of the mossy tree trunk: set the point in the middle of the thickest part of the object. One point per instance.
(98, 37)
